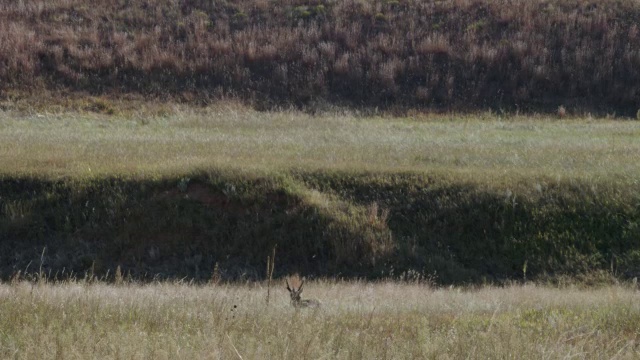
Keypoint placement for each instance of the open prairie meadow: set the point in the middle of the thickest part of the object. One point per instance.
(183, 139)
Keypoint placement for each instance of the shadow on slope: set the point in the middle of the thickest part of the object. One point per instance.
(324, 224)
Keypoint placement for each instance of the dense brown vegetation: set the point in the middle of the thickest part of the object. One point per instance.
(511, 54)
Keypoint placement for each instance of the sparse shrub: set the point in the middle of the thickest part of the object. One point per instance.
(239, 20)
(118, 277)
(15, 278)
(477, 26)
(301, 12)
(561, 112)
(215, 275)
(183, 184)
(377, 217)
(422, 94)
(392, 3)
(101, 106)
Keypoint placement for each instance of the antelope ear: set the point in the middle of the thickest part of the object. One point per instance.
(288, 288)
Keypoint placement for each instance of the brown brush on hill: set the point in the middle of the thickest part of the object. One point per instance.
(456, 54)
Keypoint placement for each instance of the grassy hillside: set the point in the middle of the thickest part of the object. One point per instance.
(457, 54)
(356, 321)
(459, 199)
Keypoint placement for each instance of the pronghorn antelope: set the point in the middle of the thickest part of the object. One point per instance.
(296, 301)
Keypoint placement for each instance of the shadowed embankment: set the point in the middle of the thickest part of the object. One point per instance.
(323, 223)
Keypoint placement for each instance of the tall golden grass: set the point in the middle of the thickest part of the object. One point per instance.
(358, 320)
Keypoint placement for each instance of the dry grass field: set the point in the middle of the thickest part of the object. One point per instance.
(381, 320)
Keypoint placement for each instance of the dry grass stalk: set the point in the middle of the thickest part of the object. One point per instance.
(215, 276)
(271, 263)
(16, 278)
(118, 277)
(377, 217)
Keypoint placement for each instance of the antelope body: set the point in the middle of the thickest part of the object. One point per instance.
(296, 301)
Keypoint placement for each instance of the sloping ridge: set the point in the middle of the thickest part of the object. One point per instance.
(322, 224)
